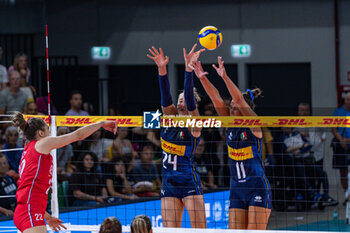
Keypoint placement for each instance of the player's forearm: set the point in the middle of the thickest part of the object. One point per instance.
(86, 131)
(162, 70)
(213, 93)
(233, 89)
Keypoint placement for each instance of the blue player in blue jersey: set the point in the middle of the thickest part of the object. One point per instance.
(250, 194)
(180, 181)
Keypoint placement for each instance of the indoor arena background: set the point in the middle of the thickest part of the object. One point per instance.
(298, 55)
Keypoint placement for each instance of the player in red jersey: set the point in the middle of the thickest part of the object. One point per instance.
(36, 168)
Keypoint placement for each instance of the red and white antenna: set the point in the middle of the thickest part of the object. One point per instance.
(47, 75)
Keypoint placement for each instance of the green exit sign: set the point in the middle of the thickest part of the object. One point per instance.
(240, 50)
(101, 53)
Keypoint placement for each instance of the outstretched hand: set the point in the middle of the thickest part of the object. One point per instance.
(191, 57)
(55, 224)
(221, 69)
(110, 126)
(198, 70)
(158, 57)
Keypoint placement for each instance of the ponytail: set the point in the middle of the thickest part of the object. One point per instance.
(251, 95)
(30, 127)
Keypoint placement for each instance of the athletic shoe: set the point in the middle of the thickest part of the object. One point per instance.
(330, 202)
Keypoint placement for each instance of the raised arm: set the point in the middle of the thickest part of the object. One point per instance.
(235, 93)
(190, 100)
(161, 61)
(212, 92)
(47, 144)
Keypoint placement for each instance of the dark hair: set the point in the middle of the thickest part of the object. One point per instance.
(114, 161)
(127, 158)
(117, 159)
(81, 161)
(111, 225)
(247, 97)
(148, 145)
(30, 127)
(141, 224)
(74, 92)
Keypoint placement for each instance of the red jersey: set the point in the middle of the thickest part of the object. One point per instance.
(35, 173)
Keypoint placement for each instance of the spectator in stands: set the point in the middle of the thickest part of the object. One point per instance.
(20, 64)
(111, 152)
(76, 101)
(267, 153)
(13, 98)
(316, 137)
(13, 157)
(202, 162)
(141, 137)
(141, 224)
(64, 157)
(130, 163)
(89, 108)
(32, 109)
(3, 74)
(146, 173)
(122, 144)
(7, 187)
(86, 184)
(97, 144)
(117, 182)
(341, 144)
(111, 225)
(212, 138)
(295, 153)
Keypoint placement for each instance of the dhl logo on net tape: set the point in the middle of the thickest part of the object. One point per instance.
(205, 122)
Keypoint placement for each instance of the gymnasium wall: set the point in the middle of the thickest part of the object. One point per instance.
(279, 31)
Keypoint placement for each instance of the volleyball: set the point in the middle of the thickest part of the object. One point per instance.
(210, 37)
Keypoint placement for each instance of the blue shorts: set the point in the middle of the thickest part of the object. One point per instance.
(254, 192)
(181, 187)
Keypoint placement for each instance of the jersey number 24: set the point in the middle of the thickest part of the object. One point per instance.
(170, 159)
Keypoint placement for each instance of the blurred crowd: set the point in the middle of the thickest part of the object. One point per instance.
(107, 168)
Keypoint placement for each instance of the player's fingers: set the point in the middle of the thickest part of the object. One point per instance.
(151, 51)
(63, 226)
(155, 50)
(193, 48)
(205, 73)
(184, 50)
(166, 59)
(161, 52)
(149, 56)
(214, 66)
(201, 51)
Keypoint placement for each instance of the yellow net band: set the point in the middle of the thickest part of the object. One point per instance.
(206, 122)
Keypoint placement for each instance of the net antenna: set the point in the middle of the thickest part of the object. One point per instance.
(52, 123)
